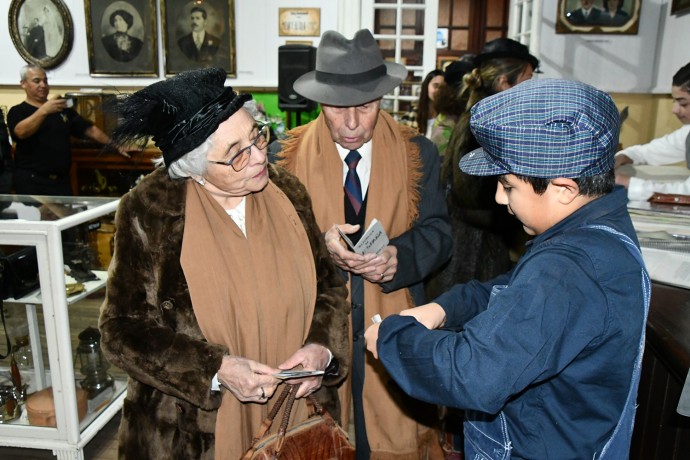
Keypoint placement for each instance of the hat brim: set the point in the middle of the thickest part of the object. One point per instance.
(482, 58)
(350, 94)
(480, 163)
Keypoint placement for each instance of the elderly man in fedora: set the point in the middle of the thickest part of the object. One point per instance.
(359, 164)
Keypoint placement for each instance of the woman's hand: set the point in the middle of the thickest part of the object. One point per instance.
(247, 380)
(311, 357)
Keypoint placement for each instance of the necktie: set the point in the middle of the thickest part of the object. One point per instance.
(687, 150)
(353, 188)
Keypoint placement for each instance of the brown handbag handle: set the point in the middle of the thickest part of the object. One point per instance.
(288, 394)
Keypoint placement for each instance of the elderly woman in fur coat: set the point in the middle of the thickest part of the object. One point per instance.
(220, 279)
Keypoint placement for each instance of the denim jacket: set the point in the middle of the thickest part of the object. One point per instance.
(545, 361)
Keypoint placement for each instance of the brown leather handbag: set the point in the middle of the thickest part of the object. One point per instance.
(317, 438)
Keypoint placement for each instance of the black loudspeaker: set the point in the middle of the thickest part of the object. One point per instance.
(293, 62)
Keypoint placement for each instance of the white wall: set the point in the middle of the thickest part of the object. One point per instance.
(642, 63)
(256, 32)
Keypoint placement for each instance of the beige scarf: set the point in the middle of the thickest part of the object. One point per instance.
(255, 295)
(310, 154)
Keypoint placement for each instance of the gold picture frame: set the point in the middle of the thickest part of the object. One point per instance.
(218, 48)
(625, 20)
(41, 30)
(122, 38)
(299, 22)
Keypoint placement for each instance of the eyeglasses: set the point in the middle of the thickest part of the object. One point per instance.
(241, 159)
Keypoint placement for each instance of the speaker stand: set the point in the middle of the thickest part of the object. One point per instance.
(288, 117)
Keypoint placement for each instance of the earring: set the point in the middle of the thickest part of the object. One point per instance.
(201, 181)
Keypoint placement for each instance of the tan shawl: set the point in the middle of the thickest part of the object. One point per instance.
(310, 154)
(255, 295)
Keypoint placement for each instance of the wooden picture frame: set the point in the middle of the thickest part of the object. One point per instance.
(299, 22)
(179, 17)
(443, 61)
(571, 20)
(680, 6)
(41, 30)
(122, 38)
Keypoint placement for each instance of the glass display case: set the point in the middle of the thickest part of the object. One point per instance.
(68, 241)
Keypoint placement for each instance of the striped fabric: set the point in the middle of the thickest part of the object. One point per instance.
(353, 188)
(544, 128)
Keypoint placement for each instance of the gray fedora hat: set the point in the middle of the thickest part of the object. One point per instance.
(349, 72)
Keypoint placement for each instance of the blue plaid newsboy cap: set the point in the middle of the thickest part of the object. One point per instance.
(544, 128)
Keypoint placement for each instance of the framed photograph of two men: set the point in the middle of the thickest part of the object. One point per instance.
(199, 34)
(122, 37)
(598, 17)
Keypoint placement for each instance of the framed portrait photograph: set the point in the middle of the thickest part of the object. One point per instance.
(41, 30)
(680, 6)
(598, 17)
(122, 37)
(198, 34)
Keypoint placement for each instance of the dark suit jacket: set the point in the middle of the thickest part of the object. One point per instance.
(205, 54)
(578, 17)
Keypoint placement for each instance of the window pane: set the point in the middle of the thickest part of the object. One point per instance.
(444, 13)
(459, 40)
(495, 12)
(461, 13)
(384, 20)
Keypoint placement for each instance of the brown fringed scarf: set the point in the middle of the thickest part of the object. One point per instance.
(310, 154)
(255, 295)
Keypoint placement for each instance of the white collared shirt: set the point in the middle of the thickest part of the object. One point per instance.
(363, 167)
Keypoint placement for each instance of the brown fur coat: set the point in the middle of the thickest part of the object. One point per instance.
(149, 329)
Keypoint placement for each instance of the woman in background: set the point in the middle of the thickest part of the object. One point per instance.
(613, 14)
(449, 103)
(423, 116)
(665, 150)
(483, 231)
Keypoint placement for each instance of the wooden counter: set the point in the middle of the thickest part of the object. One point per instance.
(660, 432)
(116, 174)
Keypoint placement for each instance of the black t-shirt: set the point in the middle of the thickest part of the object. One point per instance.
(48, 150)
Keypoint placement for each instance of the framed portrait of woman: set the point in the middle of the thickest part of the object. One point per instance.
(598, 17)
(122, 38)
(41, 31)
(198, 34)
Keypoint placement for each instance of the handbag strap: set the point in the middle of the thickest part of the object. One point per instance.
(286, 396)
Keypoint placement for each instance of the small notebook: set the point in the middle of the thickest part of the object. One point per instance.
(373, 240)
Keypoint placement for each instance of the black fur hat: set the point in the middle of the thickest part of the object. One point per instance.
(179, 113)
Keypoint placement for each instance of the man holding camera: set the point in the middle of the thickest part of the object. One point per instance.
(41, 129)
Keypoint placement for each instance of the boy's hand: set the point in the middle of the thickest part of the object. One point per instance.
(431, 315)
(371, 335)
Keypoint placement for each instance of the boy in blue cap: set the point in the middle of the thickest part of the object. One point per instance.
(548, 361)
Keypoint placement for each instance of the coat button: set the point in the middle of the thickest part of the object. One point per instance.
(167, 305)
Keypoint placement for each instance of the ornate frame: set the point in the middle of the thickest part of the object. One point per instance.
(564, 25)
(220, 22)
(57, 24)
(104, 57)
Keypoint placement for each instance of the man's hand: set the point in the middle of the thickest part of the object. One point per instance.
(53, 106)
(375, 268)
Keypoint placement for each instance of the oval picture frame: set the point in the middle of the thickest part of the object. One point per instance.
(41, 30)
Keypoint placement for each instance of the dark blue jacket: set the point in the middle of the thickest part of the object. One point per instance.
(553, 348)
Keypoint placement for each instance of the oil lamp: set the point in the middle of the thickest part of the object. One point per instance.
(93, 365)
